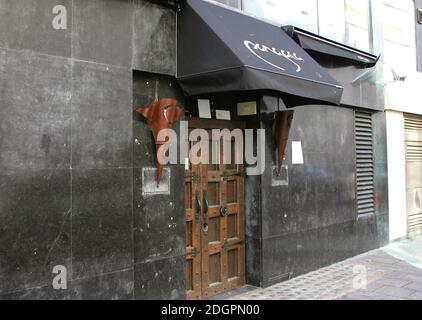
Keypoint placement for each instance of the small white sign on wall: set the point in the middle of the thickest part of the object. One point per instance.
(222, 115)
(246, 108)
(204, 108)
(297, 152)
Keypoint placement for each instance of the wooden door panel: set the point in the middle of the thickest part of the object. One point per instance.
(193, 242)
(217, 229)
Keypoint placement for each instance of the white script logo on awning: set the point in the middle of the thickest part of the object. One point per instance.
(256, 48)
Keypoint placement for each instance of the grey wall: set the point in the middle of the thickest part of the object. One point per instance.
(418, 4)
(70, 189)
(312, 222)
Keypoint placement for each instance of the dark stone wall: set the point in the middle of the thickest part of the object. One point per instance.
(418, 4)
(70, 188)
(159, 220)
(312, 222)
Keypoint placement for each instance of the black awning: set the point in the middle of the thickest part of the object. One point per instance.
(222, 50)
(314, 43)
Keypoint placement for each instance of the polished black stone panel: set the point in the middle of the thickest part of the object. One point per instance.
(383, 229)
(102, 239)
(381, 188)
(24, 25)
(112, 286)
(367, 234)
(298, 253)
(154, 38)
(149, 86)
(102, 31)
(35, 227)
(380, 137)
(321, 191)
(326, 134)
(310, 125)
(34, 111)
(159, 220)
(314, 222)
(34, 142)
(253, 261)
(253, 206)
(253, 222)
(34, 83)
(380, 164)
(101, 116)
(161, 279)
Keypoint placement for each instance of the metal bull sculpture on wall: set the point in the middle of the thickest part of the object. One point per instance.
(161, 115)
(281, 129)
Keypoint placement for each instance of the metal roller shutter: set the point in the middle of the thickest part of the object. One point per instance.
(413, 132)
(365, 193)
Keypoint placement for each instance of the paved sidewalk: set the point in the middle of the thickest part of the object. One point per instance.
(392, 273)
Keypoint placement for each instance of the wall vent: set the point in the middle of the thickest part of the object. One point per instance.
(412, 122)
(365, 189)
(414, 151)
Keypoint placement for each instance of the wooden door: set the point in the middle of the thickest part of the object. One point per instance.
(215, 253)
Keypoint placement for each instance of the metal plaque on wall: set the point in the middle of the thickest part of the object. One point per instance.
(149, 182)
(280, 179)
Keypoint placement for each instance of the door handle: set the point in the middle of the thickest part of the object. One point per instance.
(205, 208)
(223, 211)
(197, 205)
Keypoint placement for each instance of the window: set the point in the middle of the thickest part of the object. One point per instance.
(357, 24)
(344, 21)
(231, 3)
(332, 20)
(399, 35)
(300, 13)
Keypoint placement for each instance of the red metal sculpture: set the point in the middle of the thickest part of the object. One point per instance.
(161, 115)
(281, 129)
